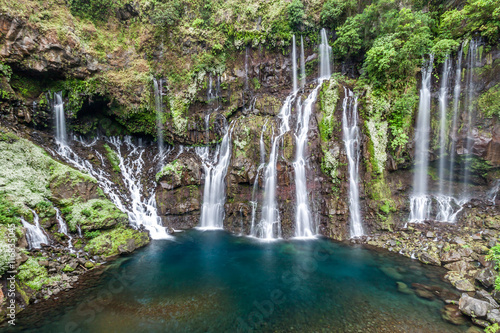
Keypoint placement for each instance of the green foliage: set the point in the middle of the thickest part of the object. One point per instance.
(34, 275)
(296, 14)
(489, 102)
(167, 13)
(329, 98)
(481, 16)
(112, 158)
(68, 268)
(9, 214)
(5, 71)
(92, 234)
(334, 10)
(96, 10)
(110, 242)
(494, 256)
(170, 169)
(494, 328)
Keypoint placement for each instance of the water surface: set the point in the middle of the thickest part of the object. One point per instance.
(215, 282)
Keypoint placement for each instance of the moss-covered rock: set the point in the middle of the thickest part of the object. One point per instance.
(117, 241)
(94, 214)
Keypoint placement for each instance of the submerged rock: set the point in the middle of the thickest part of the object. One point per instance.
(403, 288)
(451, 313)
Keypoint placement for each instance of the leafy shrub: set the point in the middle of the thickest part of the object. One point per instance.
(296, 14)
(95, 10)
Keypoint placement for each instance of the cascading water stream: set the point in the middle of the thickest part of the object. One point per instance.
(158, 86)
(302, 64)
(269, 226)
(294, 65)
(350, 133)
(325, 51)
(214, 193)
(304, 224)
(254, 202)
(469, 106)
(493, 192)
(34, 232)
(443, 104)
(142, 212)
(58, 107)
(63, 228)
(419, 201)
(454, 128)
(446, 203)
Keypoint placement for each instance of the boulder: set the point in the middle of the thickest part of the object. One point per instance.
(483, 295)
(493, 316)
(450, 256)
(429, 258)
(486, 276)
(459, 281)
(473, 306)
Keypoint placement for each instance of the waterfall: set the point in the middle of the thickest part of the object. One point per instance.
(469, 106)
(34, 233)
(493, 192)
(302, 64)
(64, 229)
(58, 107)
(420, 202)
(140, 207)
(158, 86)
(443, 104)
(304, 224)
(269, 226)
(350, 134)
(214, 193)
(294, 65)
(325, 51)
(454, 129)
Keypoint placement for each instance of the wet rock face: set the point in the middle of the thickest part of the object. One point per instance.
(34, 51)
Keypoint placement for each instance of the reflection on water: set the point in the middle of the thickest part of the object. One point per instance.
(215, 282)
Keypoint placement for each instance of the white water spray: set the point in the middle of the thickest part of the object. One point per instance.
(420, 203)
(351, 137)
(325, 51)
(58, 107)
(34, 232)
(214, 193)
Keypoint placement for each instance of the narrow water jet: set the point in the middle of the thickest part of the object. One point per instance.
(158, 86)
(350, 134)
(302, 64)
(214, 193)
(304, 223)
(443, 105)
(63, 228)
(454, 126)
(469, 106)
(60, 119)
(294, 65)
(325, 51)
(420, 203)
(34, 232)
(269, 226)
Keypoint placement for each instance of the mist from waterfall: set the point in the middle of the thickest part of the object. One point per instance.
(214, 193)
(351, 137)
(420, 202)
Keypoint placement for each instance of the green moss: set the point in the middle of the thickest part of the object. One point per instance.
(170, 169)
(34, 275)
(489, 102)
(93, 214)
(112, 158)
(328, 98)
(109, 242)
